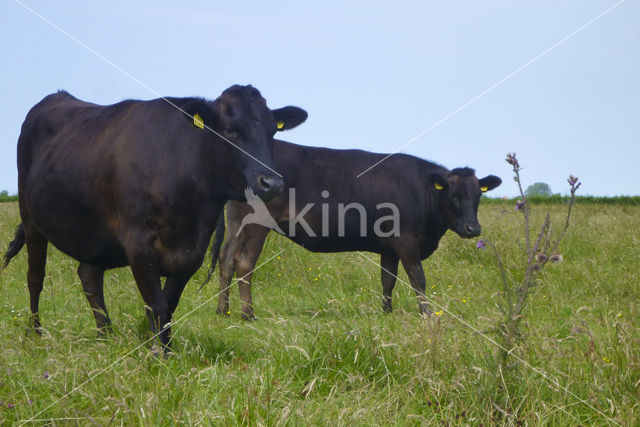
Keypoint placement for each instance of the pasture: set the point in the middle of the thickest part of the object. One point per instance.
(323, 352)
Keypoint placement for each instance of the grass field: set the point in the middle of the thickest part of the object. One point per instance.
(323, 352)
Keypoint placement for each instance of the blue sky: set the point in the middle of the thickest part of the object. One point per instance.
(371, 75)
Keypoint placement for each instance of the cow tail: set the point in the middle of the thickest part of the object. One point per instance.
(14, 246)
(215, 248)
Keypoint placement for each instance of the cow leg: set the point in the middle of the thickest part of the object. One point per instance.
(239, 254)
(37, 259)
(173, 288)
(226, 261)
(92, 279)
(413, 267)
(245, 265)
(245, 260)
(244, 286)
(389, 273)
(147, 276)
(227, 267)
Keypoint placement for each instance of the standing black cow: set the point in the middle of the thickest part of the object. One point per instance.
(335, 211)
(139, 183)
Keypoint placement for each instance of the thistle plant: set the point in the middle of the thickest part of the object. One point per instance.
(538, 252)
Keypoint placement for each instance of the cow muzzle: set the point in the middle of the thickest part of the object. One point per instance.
(268, 187)
(471, 230)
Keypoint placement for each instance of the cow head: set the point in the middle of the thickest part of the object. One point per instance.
(241, 116)
(459, 193)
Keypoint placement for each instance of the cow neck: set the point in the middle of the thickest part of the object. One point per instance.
(436, 220)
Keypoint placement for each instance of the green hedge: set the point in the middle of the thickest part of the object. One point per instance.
(557, 198)
(7, 198)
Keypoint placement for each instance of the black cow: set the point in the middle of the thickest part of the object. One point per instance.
(139, 183)
(427, 198)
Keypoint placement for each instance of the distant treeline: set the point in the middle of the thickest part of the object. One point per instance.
(557, 198)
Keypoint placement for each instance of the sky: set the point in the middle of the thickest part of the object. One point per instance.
(372, 75)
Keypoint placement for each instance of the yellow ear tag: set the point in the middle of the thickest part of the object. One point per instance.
(280, 125)
(438, 186)
(197, 121)
(484, 189)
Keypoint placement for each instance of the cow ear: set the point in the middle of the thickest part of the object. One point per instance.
(199, 114)
(438, 181)
(489, 182)
(289, 117)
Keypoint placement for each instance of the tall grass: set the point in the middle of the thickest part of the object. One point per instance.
(323, 352)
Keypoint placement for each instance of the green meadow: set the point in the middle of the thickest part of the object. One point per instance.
(322, 352)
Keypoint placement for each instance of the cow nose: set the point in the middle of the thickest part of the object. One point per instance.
(472, 230)
(269, 186)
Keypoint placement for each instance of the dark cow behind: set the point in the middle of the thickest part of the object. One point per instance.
(430, 199)
(139, 183)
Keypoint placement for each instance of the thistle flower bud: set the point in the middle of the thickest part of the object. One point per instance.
(556, 258)
(512, 160)
(541, 257)
(574, 183)
(519, 205)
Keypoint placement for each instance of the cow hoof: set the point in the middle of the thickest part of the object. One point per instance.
(250, 317)
(36, 331)
(387, 309)
(425, 314)
(425, 310)
(104, 331)
(161, 352)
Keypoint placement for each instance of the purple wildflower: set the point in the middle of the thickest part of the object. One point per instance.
(556, 258)
(481, 244)
(45, 375)
(541, 257)
(30, 402)
(10, 405)
(519, 205)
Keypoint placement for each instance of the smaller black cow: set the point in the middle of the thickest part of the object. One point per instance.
(139, 183)
(400, 209)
